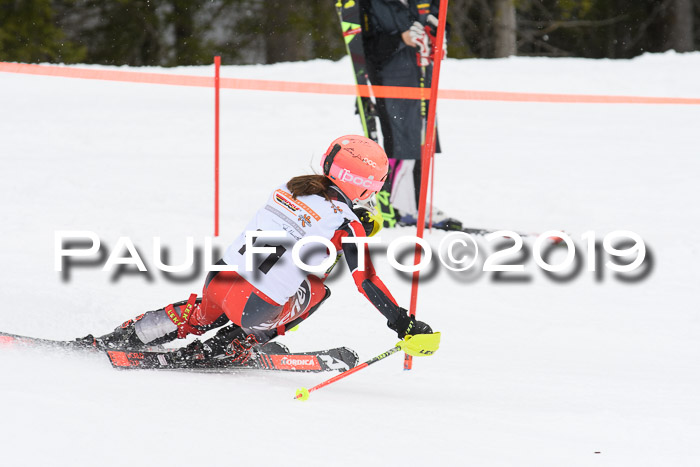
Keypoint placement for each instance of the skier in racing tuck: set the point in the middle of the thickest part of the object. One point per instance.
(258, 303)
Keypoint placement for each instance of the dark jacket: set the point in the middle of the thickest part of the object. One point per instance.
(390, 62)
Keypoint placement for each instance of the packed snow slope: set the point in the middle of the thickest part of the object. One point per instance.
(594, 370)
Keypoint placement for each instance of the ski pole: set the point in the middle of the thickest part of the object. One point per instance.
(303, 393)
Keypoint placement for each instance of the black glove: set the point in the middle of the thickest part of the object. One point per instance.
(407, 324)
(365, 218)
(419, 327)
(370, 217)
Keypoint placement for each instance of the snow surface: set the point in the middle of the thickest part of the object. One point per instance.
(536, 373)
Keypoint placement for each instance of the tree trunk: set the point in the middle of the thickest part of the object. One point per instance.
(680, 26)
(504, 29)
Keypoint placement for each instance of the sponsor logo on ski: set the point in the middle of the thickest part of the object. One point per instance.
(333, 363)
(291, 362)
(298, 361)
(121, 359)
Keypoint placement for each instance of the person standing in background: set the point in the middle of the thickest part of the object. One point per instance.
(397, 43)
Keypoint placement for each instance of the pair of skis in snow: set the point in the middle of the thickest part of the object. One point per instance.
(272, 356)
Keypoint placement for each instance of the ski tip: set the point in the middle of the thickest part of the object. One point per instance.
(7, 340)
(302, 394)
(556, 240)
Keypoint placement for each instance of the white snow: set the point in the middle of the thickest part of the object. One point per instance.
(529, 374)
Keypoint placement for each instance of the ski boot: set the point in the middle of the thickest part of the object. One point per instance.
(231, 346)
(149, 330)
(274, 348)
(441, 220)
(87, 342)
(123, 337)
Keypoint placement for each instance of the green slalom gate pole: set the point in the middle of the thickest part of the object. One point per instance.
(303, 393)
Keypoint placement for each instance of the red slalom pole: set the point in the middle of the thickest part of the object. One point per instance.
(217, 87)
(426, 156)
(432, 186)
(303, 393)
